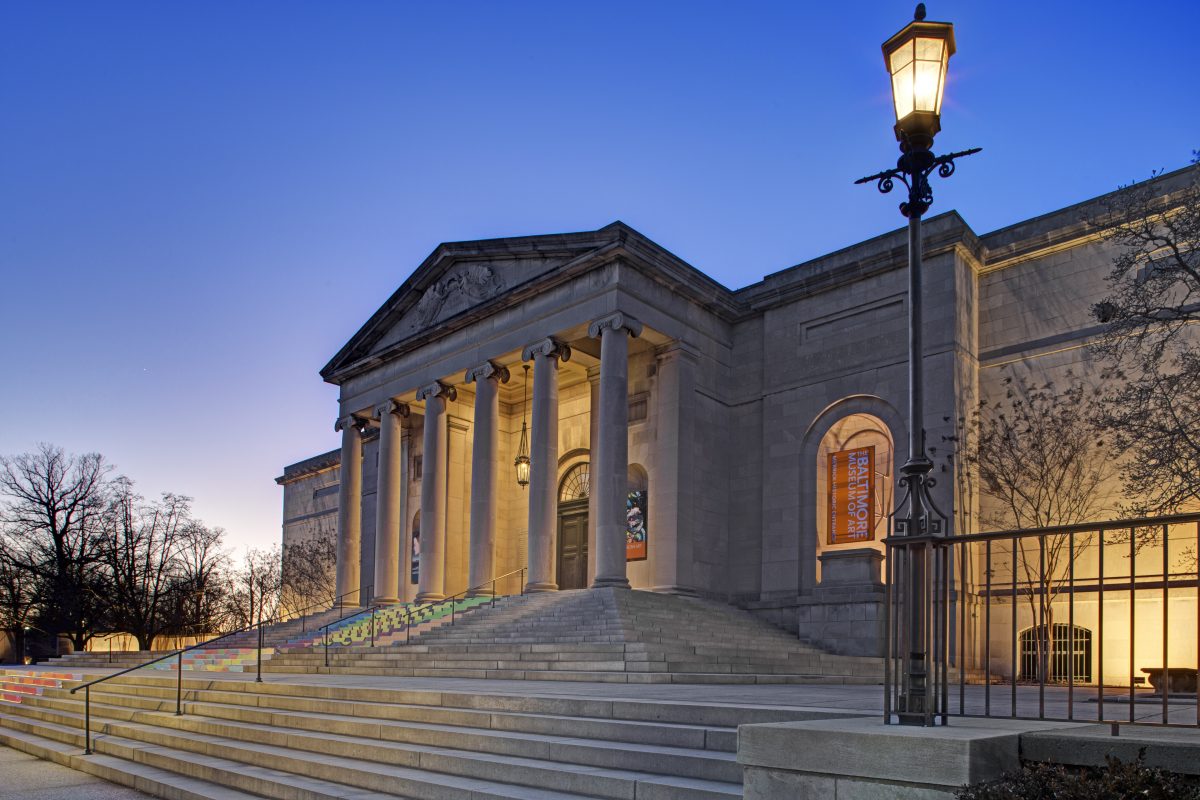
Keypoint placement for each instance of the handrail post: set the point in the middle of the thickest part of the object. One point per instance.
(258, 659)
(408, 626)
(452, 604)
(326, 646)
(493, 592)
(179, 686)
(372, 627)
(87, 720)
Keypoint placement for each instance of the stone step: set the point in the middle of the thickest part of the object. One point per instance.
(371, 763)
(152, 780)
(359, 718)
(627, 751)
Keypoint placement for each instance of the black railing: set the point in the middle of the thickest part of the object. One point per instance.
(1052, 615)
(415, 612)
(260, 626)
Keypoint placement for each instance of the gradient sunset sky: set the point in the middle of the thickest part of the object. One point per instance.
(201, 202)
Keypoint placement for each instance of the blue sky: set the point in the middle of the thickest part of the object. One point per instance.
(200, 202)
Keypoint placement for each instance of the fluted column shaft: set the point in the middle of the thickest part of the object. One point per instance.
(432, 579)
(387, 502)
(543, 468)
(610, 462)
(349, 531)
(484, 454)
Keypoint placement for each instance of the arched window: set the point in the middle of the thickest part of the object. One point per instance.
(1066, 652)
(855, 485)
(575, 485)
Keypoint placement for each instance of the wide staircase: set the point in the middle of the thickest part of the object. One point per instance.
(610, 635)
(290, 740)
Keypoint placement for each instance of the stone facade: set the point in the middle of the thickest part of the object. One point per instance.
(726, 402)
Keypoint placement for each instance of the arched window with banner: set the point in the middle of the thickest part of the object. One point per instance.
(637, 535)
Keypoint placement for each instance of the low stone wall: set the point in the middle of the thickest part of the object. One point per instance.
(860, 758)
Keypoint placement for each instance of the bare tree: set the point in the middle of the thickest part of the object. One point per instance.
(308, 573)
(199, 588)
(17, 601)
(142, 547)
(1042, 463)
(51, 517)
(1152, 340)
(253, 589)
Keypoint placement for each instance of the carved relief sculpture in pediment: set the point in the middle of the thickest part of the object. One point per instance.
(467, 286)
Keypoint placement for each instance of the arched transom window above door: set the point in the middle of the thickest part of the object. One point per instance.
(576, 484)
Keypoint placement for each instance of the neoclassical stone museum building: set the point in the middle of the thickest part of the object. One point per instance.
(682, 437)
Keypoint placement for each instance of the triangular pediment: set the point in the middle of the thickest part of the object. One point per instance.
(461, 278)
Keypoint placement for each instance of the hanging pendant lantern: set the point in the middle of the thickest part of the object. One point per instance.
(522, 460)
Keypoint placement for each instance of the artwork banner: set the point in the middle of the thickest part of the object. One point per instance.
(852, 496)
(415, 561)
(635, 526)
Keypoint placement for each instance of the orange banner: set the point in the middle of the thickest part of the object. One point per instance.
(852, 495)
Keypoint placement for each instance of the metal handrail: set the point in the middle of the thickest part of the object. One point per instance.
(416, 610)
(87, 687)
(452, 598)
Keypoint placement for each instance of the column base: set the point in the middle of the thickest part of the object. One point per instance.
(531, 588)
(484, 592)
(615, 583)
(385, 601)
(429, 597)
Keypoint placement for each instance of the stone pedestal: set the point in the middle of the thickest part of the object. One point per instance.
(844, 614)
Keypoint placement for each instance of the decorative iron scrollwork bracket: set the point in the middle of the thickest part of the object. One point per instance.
(913, 169)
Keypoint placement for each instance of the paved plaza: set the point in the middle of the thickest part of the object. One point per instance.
(27, 777)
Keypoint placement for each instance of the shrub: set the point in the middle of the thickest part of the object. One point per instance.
(1119, 780)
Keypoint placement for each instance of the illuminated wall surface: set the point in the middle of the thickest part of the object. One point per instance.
(736, 402)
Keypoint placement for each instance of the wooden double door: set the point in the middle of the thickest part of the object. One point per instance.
(573, 545)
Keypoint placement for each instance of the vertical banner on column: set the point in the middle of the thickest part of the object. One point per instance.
(852, 495)
(635, 525)
(414, 574)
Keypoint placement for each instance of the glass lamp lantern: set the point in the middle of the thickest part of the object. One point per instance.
(521, 462)
(916, 58)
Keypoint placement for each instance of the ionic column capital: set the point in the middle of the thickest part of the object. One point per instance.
(615, 321)
(488, 370)
(437, 389)
(350, 421)
(547, 347)
(391, 406)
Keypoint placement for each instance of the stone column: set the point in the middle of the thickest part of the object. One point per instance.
(387, 501)
(432, 580)
(543, 467)
(593, 376)
(349, 532)
(610, 461)
(672, 502)
(484, 454)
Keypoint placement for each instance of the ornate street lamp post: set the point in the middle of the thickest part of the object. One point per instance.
(916, 59)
